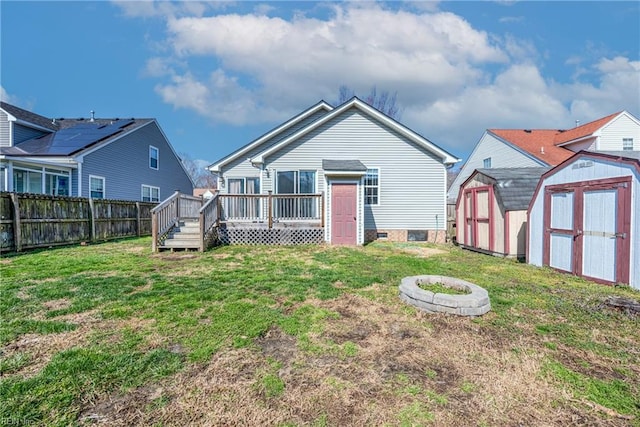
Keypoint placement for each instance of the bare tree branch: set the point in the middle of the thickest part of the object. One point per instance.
(383, 102)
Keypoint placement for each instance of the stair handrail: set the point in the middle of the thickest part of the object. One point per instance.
(164, 217)
(209, 219)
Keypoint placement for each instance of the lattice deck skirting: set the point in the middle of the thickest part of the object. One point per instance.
(270, 236)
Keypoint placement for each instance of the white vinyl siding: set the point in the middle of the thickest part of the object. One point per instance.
(502, 155)
(243, 167)
(5, 130)
(412, 195)
(97, 187)
(612, 135)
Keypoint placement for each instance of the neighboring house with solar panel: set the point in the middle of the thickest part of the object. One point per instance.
(512, 148)
(123, 159)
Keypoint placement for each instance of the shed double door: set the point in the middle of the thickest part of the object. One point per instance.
(478, 217)
(587, 229)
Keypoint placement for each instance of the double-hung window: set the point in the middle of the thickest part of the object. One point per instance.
(154, 157)
(627, 144)
(296, 182)
(372, 187)
(486, 163)
(150, 193)
(97, 187)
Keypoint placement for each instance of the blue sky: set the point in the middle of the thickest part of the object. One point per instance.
(217, 75)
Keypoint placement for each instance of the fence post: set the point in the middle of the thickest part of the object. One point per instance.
(154, 231)
(202, 219)
(269, 209)
(138, 222)
(17, 232)
(322, 209)
(178, 206)
(92, 220)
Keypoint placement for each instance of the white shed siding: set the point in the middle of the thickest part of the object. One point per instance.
(502, 156)
(5, 132)
(619, 128)
(242, 167)
(412, 180)
(601, 169)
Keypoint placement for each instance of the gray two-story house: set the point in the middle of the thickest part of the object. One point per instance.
(120, 158)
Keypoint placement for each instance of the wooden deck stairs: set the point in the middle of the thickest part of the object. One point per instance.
(184, 222)
(185, 236)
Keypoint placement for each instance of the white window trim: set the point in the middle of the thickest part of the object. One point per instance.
(628, 140)
(365, 186)
(150, 187)
(157, 157)
(297, 183)
(104, 186)
(484, 163)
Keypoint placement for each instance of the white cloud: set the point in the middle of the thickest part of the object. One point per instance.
(618, 89)
(6, 97)
(293, 62)
(263, 9)
(452, 80)
(511, 19)
(152, 8)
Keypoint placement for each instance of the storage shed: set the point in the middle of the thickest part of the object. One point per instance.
(491, 210)
(584, 217)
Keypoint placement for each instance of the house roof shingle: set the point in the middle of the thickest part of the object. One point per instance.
(546, 144)
(587, 129)
(28, 116)
(514, 187)
(539, 143)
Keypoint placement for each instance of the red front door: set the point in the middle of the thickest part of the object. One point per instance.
(343, 214)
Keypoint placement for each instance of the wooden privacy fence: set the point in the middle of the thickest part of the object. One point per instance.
(30, 221)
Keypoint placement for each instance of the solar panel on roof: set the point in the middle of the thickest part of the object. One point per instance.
(69, 140)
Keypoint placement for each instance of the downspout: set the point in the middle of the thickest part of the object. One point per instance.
(79, 179)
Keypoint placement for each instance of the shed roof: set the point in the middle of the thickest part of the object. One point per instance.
(626, 154)
(514, 187)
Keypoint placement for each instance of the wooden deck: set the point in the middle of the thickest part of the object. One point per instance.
(187, 222)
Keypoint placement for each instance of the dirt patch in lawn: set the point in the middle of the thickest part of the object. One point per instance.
(404, 367)
(40, 349)
(23, 293)
(422, 252)
(57, 304)
(172, 256)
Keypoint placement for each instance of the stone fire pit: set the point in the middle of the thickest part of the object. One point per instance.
(474, 303)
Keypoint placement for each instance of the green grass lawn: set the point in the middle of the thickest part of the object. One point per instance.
(306, 335)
